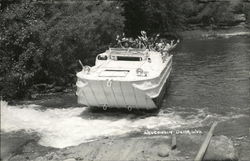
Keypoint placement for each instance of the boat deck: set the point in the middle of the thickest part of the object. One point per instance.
(125, 70)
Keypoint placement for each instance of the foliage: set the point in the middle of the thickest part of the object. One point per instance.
(80, 32)
(205, 14)
(153, 16)
(5, 3)
(20, 47)
(164, 16)
(42, 43)
(223, 14)
(246, 11)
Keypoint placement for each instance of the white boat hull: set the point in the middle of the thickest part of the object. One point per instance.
(143, 94)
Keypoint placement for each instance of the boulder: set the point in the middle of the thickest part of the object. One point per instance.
(163, 153)
(206, 1)
(70, 159)
(163, 150)
(240, 18)
(221, 148)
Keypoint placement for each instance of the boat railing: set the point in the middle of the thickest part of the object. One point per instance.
(126, 49)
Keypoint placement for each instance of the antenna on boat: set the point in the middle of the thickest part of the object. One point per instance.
(81, 63)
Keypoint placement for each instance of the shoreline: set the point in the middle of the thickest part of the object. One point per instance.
(128, 147)
(228, 143)
(233, 133)
(202, 34)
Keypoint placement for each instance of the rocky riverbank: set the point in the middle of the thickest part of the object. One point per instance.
(231, 141)
(210, 19)
(204, 34)
(221, 148)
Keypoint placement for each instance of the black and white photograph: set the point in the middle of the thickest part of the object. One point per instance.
(125, 80)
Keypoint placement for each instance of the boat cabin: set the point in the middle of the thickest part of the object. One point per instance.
(120, 54)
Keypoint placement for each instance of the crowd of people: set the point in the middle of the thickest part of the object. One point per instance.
(153, 43)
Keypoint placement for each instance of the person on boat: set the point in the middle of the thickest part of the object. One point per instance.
(160, 45)
(172, 45)
(131, 42)
(140, 44)
(144, 39)
(154, 44)
(126, 42)
(168, 47)
(119, 41)
(135, 43)
(151, 43)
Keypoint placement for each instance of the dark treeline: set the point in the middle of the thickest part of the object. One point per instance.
(41, 42)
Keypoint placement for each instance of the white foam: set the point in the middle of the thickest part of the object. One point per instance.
(61, 128)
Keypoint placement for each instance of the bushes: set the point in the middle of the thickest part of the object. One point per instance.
(20, 47)
(216, 14)
(153, 16)
(41, 44)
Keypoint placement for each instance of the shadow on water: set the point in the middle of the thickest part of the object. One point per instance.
(95, 113)
(61, 100)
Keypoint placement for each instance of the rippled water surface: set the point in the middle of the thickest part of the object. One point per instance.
(210, 82)
(212, 74)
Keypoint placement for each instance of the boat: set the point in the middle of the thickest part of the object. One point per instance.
(132, 78)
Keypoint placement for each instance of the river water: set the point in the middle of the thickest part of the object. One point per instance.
(210, 82)
(212, 73)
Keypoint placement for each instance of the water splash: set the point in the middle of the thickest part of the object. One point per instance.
(61, 128)
(66, 127)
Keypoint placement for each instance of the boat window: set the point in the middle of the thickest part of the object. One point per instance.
(149, 60)
(127, 58)
(102, 57)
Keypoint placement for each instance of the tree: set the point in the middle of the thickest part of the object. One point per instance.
(41, 43)
(79, 31)
(20, 47)
(153, 16)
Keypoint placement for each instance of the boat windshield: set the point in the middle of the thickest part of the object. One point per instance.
(128, 58)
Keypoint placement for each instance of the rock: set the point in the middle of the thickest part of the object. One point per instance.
(70, 159)
(79, 158)
(40, 159)
(206, 1)
(14, 143)
(241, 25)
(33, 96)
(52, 156)
(163, 150)
(221, 148)
(240, 18)
(163, 154)
(58, 88)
